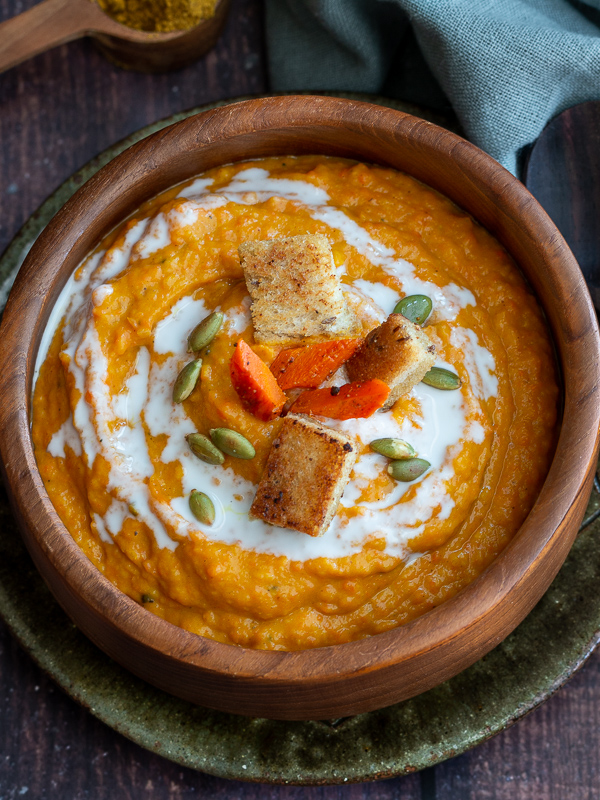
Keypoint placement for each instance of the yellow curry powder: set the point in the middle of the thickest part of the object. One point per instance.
(257, 599)
(160, 16)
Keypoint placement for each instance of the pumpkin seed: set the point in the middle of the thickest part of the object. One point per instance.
(393, 448)
(232, 443)
(205, 331)
(441, 378)
(409, 469)
(415, 307)
(147, 599)
(202, 507)
(202, 447)
(187, 380)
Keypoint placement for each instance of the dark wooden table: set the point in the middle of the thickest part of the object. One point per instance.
(56, 112)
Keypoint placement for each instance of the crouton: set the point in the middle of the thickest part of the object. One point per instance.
(296, 293)
(398, 352)
(305, 476)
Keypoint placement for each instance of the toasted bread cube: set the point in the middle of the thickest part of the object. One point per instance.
(305, 476)
(398, 352)
(295, 290)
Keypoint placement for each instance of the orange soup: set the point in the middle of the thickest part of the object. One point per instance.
(111, 443)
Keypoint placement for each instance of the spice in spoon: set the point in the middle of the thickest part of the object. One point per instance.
(160, 16)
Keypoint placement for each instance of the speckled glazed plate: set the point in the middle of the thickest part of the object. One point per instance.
(534, 661)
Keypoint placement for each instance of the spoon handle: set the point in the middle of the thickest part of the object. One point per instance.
(46, 25)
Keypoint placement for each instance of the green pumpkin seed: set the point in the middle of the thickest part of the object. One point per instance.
(202, 507)
(415, 307)
(441, 378)
(232, 443)
(205, 332)
(187, 380)
(409, 469)
(202, 447)
(393, 448)
(147, 599)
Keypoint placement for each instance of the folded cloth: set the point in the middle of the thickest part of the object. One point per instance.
(506, 66)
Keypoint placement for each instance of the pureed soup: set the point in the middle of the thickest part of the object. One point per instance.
(111, 443)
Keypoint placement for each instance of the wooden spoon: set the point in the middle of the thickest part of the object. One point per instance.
(563, 174)
(55, 22)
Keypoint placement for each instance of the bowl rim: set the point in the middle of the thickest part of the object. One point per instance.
(545, 529)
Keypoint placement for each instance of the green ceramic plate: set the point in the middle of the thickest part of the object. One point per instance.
(524, 670)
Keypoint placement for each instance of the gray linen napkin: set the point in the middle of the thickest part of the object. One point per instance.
(506, 66)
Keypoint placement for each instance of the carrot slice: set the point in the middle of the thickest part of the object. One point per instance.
(307, 367)
(358, 399)
(254, 382)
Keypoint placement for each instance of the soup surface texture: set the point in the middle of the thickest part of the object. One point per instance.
(110, 441)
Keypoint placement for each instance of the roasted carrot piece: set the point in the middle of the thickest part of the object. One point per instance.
(254, 382)
(307, 367)
(358, 399)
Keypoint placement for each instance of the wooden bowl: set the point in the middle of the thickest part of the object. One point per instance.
(351, 678)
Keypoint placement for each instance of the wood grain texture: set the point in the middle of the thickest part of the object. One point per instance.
(360, 676)
(50, 747)
(55, 22)
(56, 112)
(563, 173)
